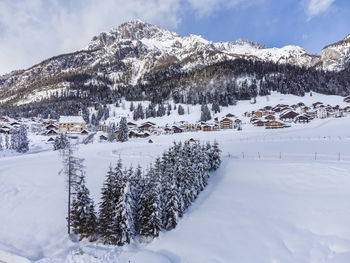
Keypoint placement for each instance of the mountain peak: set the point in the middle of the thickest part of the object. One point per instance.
(132, 30)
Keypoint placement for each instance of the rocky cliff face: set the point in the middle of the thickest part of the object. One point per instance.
(128, 55)
(336, 56)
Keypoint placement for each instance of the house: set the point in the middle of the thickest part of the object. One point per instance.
(51, 132)
(321, 113)
(131, 125)
(192, 140)
(302, 119)
(84, 132)
(207, 128)
(274, 125)
(258, 114)
(4, 119)
(288, 116)
(71, 124)
(103, 138)
(230, 115)
(146, 126)
(226, 123)
(177, 129)
(51, 127)
(259, 123)
(270, 117)
(133, 134)
(150, 141)
(103, 127)
(51, 139)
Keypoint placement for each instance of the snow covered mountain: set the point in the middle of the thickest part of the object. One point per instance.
(336, 56)
(136, 52)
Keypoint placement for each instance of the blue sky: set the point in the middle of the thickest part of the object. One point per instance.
(33, 30)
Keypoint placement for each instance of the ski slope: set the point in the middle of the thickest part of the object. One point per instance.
(294, 209)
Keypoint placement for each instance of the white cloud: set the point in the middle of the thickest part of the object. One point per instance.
(315, 7)
(33, 30)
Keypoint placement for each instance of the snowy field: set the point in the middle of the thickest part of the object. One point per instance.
(284, 207)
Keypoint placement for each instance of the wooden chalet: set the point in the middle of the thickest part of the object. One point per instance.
(258, 114)
(230, 115)
(51, 127)
(207, 128)
(51, 132)
(51, 139)
(226, 123)
(270, 117)
(259, 123)
(84, 132)
(177, 129)
(146, 126)
(274, 125)
(150, 141)
(103, 138)
(302, 119)
(289, 116)
(347, 99)
(4, 119)
(71, 124)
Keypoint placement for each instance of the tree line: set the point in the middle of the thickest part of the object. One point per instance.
(138, 203)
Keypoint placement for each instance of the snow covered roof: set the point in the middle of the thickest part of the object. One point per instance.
(71, 119)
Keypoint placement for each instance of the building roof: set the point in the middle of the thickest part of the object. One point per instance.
(71, 119)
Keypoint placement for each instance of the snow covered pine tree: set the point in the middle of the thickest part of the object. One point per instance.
(123, 131)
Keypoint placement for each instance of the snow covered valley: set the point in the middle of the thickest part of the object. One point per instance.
(279, 196)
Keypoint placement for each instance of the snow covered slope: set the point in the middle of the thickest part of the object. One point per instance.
(293, 209)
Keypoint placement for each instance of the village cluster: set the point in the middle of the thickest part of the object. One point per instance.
(270, 117)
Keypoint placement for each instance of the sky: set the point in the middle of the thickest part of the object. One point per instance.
(34, 30)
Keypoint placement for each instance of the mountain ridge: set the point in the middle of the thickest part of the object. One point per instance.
(128, 55)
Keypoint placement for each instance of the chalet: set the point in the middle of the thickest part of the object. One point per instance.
(71, 124)
(274, 125)
(146, 126)
(15, 124)
(207, 128)
(167, 130)
(51, 132)
(302, 119)
(131, 125)
(103, 127)
(177, 129)
(259, 123)
(103, 138)
(4, 119)
(270, 117)
(5, 130)
(192, 140)
(317, 104)
(133, 134)
(84, 132)
(51, 139)
(150, 141)
(230, 115)
(300, 104)
(49, 122)
(258, 114)
(304, 109)
(288, 116)
(321, 113)
(226, 123)
(51, 127)
(268, 108)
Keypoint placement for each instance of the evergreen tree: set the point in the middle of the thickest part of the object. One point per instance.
(150, 221)
(136, 189)
(61, 142)
(123, 217)
(107, 208)
(7, 141)
(111, 132)
(205, 113)
(1, 148)
(215, 107)
(132, 106)
(123, 131)
(83, 218)
(19, 140)
(215, 156)
(180, 110)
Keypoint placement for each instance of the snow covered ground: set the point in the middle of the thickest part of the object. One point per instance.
(291, 208)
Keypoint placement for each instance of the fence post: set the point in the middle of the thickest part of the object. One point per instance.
(259, 155)
(243, 155)
(315, 155)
